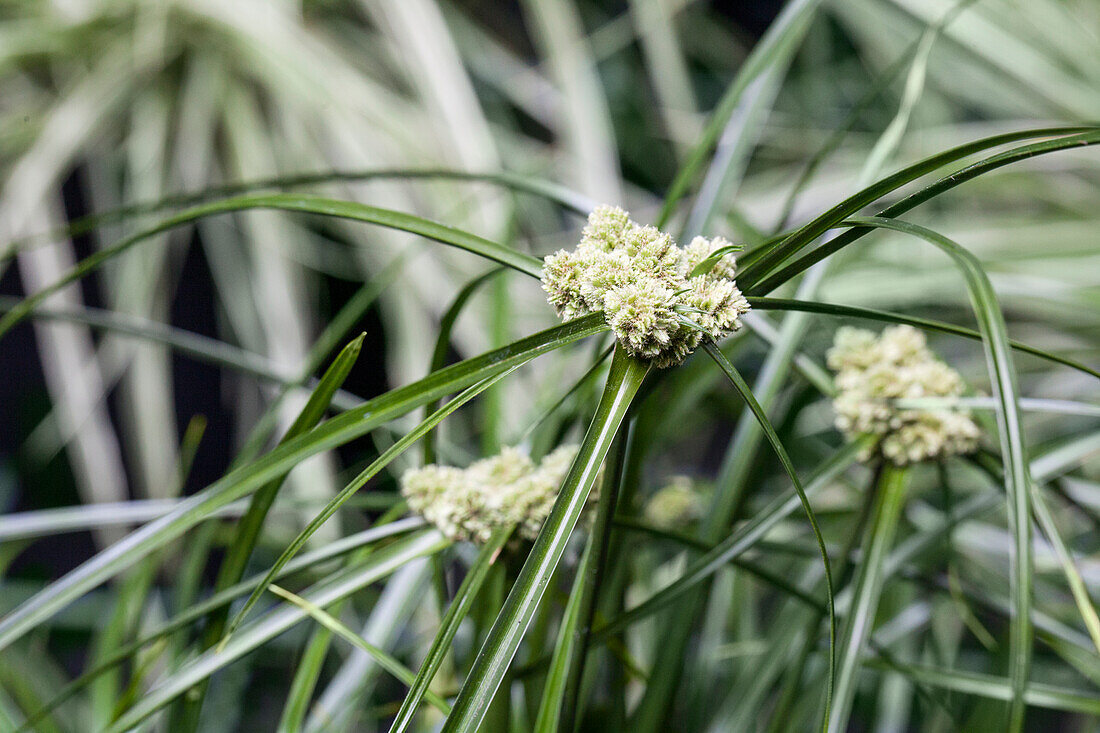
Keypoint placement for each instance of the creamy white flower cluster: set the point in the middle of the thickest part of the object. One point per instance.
(508, 488)
(676, 505)
(642, 282)
(873, 371)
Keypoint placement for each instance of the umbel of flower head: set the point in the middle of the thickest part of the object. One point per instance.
(505, 489)
(872, 371)
(642, 282)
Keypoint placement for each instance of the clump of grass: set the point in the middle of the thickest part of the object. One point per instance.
(885, 575)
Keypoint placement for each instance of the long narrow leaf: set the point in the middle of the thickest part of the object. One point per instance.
(385, 660)
(286, 202)
(340, 585)
(448, 627)
(889, 501)
(500, 646)
(753, 277)
(746, 394)
(848, 311)
(1002, 375)
(337, 431)
(387, 457)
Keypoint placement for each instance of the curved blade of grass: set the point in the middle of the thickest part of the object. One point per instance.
(881, 83)
(83, 517)
(752, 278)
(777, 44)
(738, 542)
(406, 442)
(1069, 567)
(1027, 404)
(745, 391)
(287, 202)
(889, 501)
(448, 627)
(337, 431)
(558, 707)
(565, 197)
(577, 386)
(185, 715)
(339, 585)
(1002, 376)
(385, 660)
(196, 345)
(248, 529)
(443, 339)
(500, 646)
(198, 610)
(998, 688)
(310, 664)
(337, 328)
(847, 311)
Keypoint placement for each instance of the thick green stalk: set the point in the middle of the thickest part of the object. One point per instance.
(559, 707)
(496, 654)
(889, 501)
(448, 627)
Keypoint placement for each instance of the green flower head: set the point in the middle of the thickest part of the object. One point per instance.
(505, 489)
(643, 283)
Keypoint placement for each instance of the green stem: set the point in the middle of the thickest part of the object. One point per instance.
(500, 646)
(558, 710)
(889, 501)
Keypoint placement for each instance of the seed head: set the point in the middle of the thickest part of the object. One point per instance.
(508, 488)
(642, 282)
(873, 371)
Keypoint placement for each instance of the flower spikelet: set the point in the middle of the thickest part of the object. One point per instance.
(873, 371)
(642, 282)
(676, 505)
(508, 488)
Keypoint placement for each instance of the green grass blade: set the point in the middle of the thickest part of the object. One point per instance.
(337, 431)
(385, 660)
(565, 197)
(443, 339)
(448, 627)
(558, 707)
(745, 391)
(500, 646)
(337, 328)
(248, 529)
(881, 83)
(752, 278)
(406, 442)
(550, 718)
(889, 501)
(778, 43)
(847, 311)
(999, 688)
(197, 610)
(185, 715)
(340, 585)
(287, 202)
(1073, 576)
(1002, 375)
(739, 541)
(195, 345)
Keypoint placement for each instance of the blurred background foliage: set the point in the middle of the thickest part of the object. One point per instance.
(111, 102)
